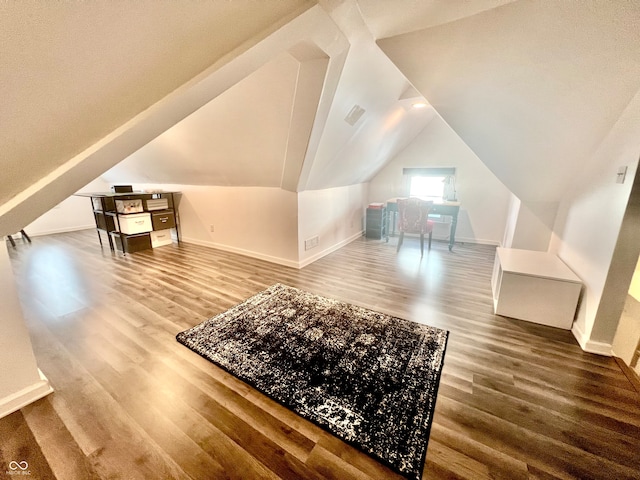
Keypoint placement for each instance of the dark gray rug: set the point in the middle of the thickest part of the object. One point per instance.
(368, 378)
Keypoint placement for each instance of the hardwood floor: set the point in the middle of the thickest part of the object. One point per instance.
(516, 400)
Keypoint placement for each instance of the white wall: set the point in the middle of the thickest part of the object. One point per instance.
(260, 222)
(484, 199)
(532, 225)
(512, 218)
(589, 220)
(73, 213)
(335, 215)
(270, 223)
(20, 381)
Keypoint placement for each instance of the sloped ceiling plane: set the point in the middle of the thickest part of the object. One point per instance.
(256, 93)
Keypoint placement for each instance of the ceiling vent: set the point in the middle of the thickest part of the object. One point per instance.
(354, 115)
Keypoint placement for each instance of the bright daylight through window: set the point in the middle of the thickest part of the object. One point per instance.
(431, 183)
(428, 188)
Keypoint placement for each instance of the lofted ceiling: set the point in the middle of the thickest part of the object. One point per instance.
(388, 19)
(238, 138)
(256, 93)
(38, 176)
(531, 87)
(242, 137)
(73, 72)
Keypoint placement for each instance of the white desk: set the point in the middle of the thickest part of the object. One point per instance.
(534, 286)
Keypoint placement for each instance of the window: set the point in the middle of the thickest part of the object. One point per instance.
(429, 188)
(431, 183)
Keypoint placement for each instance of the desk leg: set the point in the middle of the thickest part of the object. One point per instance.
(452, 237)
(391, 216)
(385, 222)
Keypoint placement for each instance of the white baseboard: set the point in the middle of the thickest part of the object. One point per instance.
(61, 230)
(327, 251)
(459, 239)
(24, 397)
(470, 240)
(590, 346)
(247, 253)
(476, 241)
(269, 258)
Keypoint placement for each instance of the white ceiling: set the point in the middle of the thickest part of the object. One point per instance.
(351, 154)
(387, 19)
(73, 72)
(239, 138)
(531, 86)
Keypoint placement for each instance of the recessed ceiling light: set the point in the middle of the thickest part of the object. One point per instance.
(420, 105)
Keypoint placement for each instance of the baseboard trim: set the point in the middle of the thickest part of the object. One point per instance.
(477, 241)
(24, 397)
(471, 240)
(590, 346)
(270, 258)
(241, 251)
(327, 251)
(460, 240)
(61, 230)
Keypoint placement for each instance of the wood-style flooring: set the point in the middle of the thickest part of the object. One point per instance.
(516, 400)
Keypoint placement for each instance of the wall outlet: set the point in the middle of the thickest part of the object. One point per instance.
(211, 229)
(311, 243)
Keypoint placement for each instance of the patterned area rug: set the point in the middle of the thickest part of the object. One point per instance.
(368, 378)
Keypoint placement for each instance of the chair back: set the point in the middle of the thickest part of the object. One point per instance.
(413, 215)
